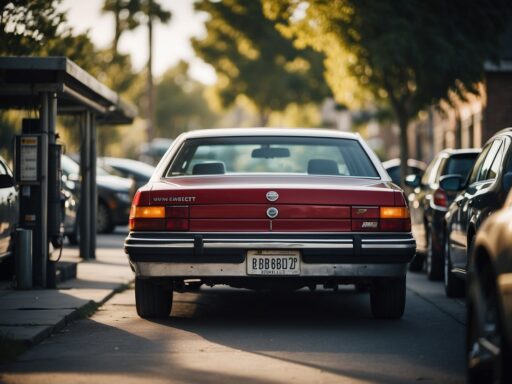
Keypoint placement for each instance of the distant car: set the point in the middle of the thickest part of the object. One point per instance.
(114, 196)
(8, 216)
(152, 152)
(489, 335)
(428, 204)
(270, 209)
(392, 167)
(130, 169)
(484, 192)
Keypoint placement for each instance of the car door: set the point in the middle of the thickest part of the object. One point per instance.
(473, 201)
(418, 203)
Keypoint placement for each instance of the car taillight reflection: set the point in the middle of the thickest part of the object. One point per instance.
(440, 198)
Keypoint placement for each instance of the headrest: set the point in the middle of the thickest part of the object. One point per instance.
(209, 169)
(322, 167)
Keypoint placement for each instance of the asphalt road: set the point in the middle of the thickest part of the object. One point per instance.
(223, 335)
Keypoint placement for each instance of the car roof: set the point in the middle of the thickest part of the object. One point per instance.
(503, 132)
(461, 151)
(411, 163)
(306, 132)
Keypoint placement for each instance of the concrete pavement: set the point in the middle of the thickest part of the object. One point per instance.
(28, 317)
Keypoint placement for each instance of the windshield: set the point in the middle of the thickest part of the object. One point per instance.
(272, 155)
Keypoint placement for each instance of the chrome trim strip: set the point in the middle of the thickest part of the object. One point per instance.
(340, 241)
(392, 246)
(262, 245)
(387, 240)
(240, 270)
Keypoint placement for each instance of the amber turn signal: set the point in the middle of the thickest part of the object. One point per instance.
(394, 213)
(155, 212)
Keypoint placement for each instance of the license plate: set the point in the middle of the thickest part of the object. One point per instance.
(273, 262)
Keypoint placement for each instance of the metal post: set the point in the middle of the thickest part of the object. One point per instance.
(23, 258)
(85, 196)
(40, 239)
(94, 189)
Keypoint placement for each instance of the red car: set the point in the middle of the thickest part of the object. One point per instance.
(269, 209)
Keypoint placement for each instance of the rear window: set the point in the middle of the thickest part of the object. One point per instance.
(272, 155)
(460, 165)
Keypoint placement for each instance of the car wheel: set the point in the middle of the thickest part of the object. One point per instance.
(194, 285)
(487, 352)
(453, 286)
(387, 298)
(434, 261)
(152, 300)
(74, 238)
(104, 219)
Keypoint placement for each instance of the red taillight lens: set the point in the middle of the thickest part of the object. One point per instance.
(440, 198)
(158, 218)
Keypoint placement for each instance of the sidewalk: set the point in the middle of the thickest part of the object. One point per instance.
(28, 317)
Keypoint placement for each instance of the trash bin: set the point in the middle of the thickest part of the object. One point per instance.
(23, 255)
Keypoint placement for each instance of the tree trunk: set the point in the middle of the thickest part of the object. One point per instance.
(264, 115)
(151, 108)
(117, 28)
(403, 123)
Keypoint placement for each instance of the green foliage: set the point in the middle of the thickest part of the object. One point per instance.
(180, 104)
(405, 54)
(27, 25)
(252, 58)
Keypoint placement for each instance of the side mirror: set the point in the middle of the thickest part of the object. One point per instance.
(507, 181)
(451, 182)
(6, 181)
(412, 180)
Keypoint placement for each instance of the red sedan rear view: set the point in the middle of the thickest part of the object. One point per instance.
(269, 209)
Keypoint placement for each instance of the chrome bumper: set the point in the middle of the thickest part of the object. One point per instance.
(224, 254)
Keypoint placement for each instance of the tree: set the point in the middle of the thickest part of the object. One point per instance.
(252, 58)
(405, 54)
(180, 105)
(27, 25)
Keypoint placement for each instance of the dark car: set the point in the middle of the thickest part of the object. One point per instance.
(484, 192)
(489, 336)
(131, 169)
(392, 167)
(428, 203)
(114, 197)
(8, 214)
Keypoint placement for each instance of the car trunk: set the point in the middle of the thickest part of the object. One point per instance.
(305, 203)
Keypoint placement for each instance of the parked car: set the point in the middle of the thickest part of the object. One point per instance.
(489, 336)
(8, 217)
(270, 209)
(484, 192)
(152, 152)
(392, 167)
(113, 196)
(428, 203)
(130, 169)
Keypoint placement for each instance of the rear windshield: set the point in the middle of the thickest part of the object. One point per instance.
(272, 155)
(460, 164)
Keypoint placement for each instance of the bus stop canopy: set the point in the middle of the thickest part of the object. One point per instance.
(22, 79)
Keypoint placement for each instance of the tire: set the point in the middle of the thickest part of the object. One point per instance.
(453, 286)
(434, 262)
(104, 219)
(152, 300)
(194, 285)
(387, 298)
(416, 264)
(484, 323)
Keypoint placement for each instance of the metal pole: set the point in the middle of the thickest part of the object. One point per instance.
(85, 196)
(94, 189)
(23, 258)
(40, 244)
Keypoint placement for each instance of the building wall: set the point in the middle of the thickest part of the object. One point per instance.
(498, 111)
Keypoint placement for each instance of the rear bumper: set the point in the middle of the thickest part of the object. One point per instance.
(224, 254)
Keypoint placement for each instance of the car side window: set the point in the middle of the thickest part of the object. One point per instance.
(478, 164)
(483, 174)
(496, 164)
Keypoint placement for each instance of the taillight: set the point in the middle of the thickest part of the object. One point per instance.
(440, 198)
(158, 218)
(381, 219)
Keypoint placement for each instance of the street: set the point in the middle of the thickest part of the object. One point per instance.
(224, 335)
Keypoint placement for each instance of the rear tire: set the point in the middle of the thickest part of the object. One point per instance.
(387, 298)
(416, 264)
(152, 300)
(104, 222)
(434, 262)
